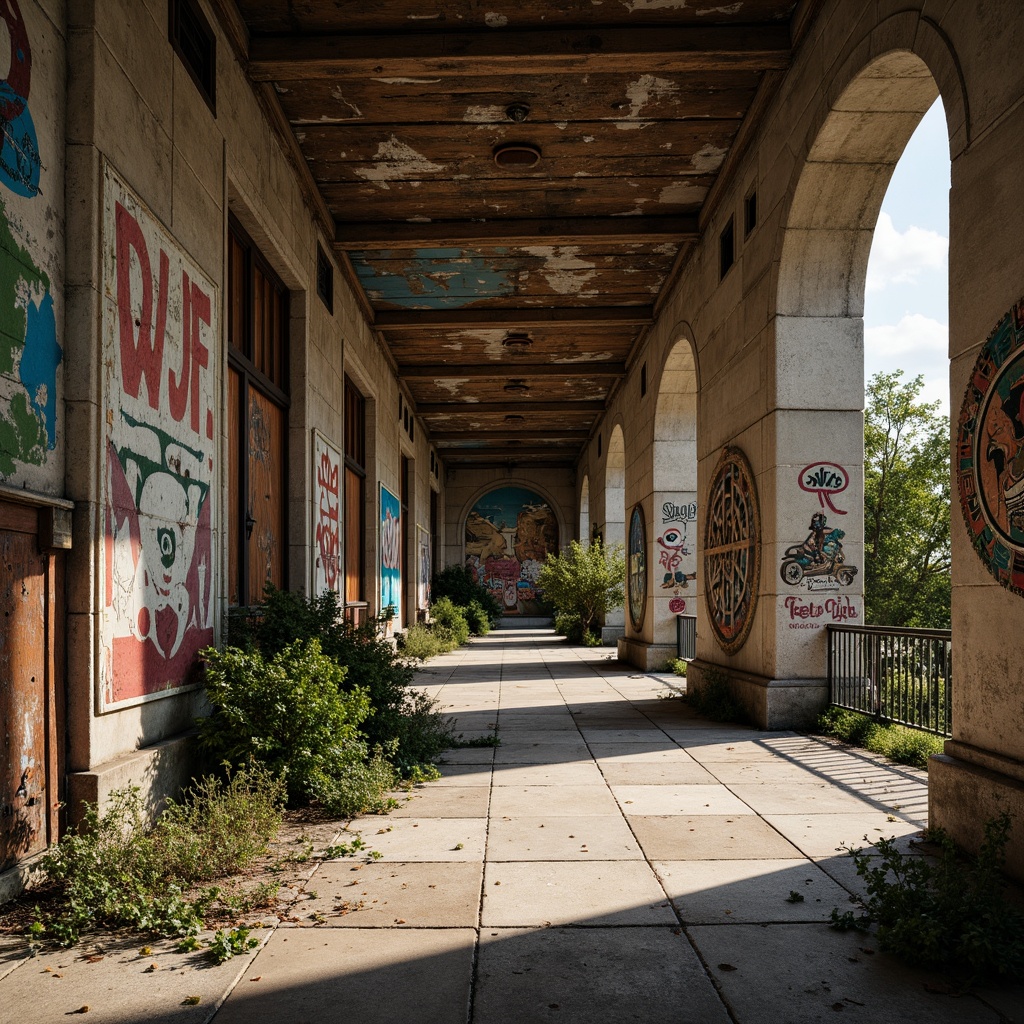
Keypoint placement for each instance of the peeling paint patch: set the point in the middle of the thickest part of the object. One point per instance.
(447, 278)
(418, 219)
(340, 97)
(588, 138)
(407, 81)
(561, 125)
(484, 114)
(495, 20)
(424, 17)
(562, 268)
(453, 385)
(708, 158)
(453, 346)
(397, 161)
(586, 357)
(645, 90)
(682, 192)
(727, 9)
(653, 5)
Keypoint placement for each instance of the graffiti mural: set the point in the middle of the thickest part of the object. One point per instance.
(818, 562)
(30, 353)
(160, 329)
(509, 533)
(636, 568)
(326, 516)
(990, 452)
(825, 479)
(732, 550)
(390, 554)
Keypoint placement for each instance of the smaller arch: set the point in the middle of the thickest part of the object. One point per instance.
(584, 516)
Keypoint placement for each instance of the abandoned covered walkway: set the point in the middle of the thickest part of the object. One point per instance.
(615, 858)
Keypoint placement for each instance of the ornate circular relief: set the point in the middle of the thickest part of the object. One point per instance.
(732, 550)
(636, 569)
(990, 452)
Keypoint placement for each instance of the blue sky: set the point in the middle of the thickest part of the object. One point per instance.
(906, 305)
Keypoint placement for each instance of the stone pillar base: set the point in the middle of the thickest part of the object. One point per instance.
(649, 657)
(159, 771)
(767, 703)
(967, 787)
(610, 635)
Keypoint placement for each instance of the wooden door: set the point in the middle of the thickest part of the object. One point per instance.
(31, 685)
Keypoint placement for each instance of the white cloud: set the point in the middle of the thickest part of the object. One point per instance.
(902, 257)
(917, 344)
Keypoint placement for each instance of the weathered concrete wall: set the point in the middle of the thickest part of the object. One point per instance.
(152, 175)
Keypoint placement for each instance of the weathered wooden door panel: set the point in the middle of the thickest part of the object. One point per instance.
(267, 540)
(30, 588)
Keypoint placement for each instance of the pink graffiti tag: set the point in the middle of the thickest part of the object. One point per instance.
(825, 479)
(327, 527)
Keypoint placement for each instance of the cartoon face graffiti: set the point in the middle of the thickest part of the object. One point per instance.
(1001, 450)
(673, 546)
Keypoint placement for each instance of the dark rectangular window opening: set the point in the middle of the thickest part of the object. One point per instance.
(324, 279)
(749, 214)
(726, 249)
(355, 501)
(643, 380)
(195, 44)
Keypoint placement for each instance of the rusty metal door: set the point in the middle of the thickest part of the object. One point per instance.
(31, 684)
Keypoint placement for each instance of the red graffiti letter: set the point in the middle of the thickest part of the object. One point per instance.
(142, 355)
(177, 390)
(200, 353)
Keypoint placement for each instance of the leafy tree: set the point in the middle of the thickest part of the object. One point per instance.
(584, 581)
(906, 506)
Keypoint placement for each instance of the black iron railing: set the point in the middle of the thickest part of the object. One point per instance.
(895, 675)
(686, 637)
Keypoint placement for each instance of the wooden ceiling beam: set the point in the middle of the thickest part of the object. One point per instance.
(511, 451)
(562, 316)
(358, 237)
(511, 370)
(557, 434)
(463, 408)
(655, 48)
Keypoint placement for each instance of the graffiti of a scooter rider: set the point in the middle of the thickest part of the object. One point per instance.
(815, 543)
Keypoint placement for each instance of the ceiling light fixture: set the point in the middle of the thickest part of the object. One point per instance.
(517, 155)
(517, 386)
(515, 420)
(517, 112)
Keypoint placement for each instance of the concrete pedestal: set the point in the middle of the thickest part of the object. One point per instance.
(649, 657)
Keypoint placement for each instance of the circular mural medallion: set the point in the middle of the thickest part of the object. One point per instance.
(732, 550)
(990, 452)
(636, 568)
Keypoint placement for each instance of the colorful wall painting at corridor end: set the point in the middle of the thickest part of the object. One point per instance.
(509, 533)
(390, 555)
(160, 331)
(636, 568)
(326, 516)
(30, 241)
(989, 456)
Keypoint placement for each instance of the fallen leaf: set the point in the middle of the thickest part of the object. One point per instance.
(146, 951)
(94, 959)
(726, 967)
(82, 1009)
(257, 978)
(838, 1006)
(191, 1000)
(152, 967)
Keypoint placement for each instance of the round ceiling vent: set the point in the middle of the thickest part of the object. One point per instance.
(517, 341)
(517, 156)
(517, 386)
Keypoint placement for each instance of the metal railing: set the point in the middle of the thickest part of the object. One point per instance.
(686, 637)
(895, 675)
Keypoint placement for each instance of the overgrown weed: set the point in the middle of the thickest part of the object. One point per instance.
(896, 742)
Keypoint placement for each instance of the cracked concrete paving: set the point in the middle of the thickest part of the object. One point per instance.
(614, 859)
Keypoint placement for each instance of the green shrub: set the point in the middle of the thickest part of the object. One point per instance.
(219, 826)
(897, 742)
(586, 582)
(405, 723)
(570, 625)
(456, 582)
(477, 617)
(951, 913)
(714, 700)
(291, 714)
(676, 666)
(419, 641)
(449, 622)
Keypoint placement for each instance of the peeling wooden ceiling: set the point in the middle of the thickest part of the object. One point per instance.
(511, 296)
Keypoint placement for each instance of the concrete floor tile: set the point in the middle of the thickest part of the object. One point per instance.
(573, 892)
(444, 802)
(750, 891)
(572, 773)
(639, 753)
(695, 799)
(118, 985)
(741, 750)
(647, 736)
(423, 839)
(468, 755)
(552, 801)
(770, 772)
(655, 773)
(377, 976)
(387, 894)
(808, 972)
(543, 737)
(800, 797)
(540, 753)
(710, 837)
(462, 775)
(819, 835)
(590, 837)
(512, 720)
(592, 976)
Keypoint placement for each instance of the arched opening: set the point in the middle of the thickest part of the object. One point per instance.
(584, 524)
(673, 545)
